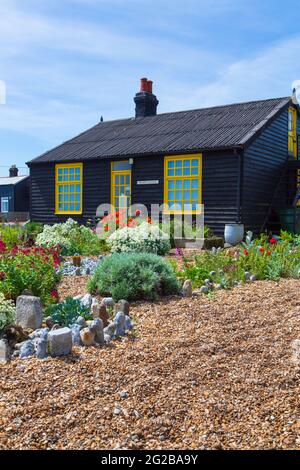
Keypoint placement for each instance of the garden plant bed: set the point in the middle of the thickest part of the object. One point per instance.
(200, 373)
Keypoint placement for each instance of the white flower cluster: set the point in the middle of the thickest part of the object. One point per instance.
(145, 238)
(64, 235)
(58, 234)
(7, 312)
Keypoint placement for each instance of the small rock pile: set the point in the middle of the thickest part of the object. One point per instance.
(208, 286)
(30, 337)
(87, 267)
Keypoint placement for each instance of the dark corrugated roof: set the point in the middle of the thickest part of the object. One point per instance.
(187, 131)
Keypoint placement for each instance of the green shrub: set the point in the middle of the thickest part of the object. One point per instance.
(11, 235)
(265, 259)
(67, 312)
(7, 312)
(72, 238)
(33, 227)
(184, 230)
(134, 276)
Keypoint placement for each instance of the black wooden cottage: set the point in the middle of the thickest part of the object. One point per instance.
(241, 161)
(14, 195)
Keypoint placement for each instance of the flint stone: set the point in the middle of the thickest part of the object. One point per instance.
(96, 327)
(253, 278)
(247, 276)
(41, 346)
(5, 351)
(107, 339)
(108, 301)
(110, 330)
(204, 290)
(81, 322)
(27, 349)
(187, 289)
(87, 337)
(76, 334)
(128, 323)
(60, 342)
(122, 306)
(87, 300)
(49, 322)
(27, 292)
(120, 324)
(100, 311)
(29, 312)
(39, 333)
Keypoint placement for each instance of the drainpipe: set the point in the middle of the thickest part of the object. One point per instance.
(239, 198)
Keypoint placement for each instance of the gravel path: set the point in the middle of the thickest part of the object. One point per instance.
(200, 374)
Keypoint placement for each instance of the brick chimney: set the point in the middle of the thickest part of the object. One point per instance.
(145, 101)
(13, 171)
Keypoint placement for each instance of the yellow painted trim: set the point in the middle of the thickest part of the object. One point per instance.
(292, 134)
(174, 178)
(114, 173)
(57, 184)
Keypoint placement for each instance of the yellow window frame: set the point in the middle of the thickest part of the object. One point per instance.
(113, 185)
(62, 183)
(183, 177)
(292, 132)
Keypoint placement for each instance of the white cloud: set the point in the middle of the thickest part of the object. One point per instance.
(62, 74)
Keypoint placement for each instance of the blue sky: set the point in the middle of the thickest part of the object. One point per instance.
(65, 63)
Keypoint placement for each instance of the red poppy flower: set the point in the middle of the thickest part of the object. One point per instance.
(273, 241)
(54, 294)
(2, 247)
(138, 212)
(246, 252)
(107, 228)
(262, 250)
(269, 253)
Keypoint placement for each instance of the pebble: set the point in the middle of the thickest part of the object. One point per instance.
(124, 394)
(204, 290)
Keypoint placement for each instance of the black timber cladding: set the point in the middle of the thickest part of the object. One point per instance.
(187, 131)
(220, 171)
(264, 161)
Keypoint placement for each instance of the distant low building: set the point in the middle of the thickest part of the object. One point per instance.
(14, 195)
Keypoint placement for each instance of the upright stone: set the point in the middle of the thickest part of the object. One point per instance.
(97, 327)
(120, 320)
(27, 349)
(187, 289)
(60, 342)
(108, 301)
(5, 351)
(29, 312)
(87, 300)
(122, 306)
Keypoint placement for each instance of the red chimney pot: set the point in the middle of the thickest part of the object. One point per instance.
(144, 84)
(150, 86)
